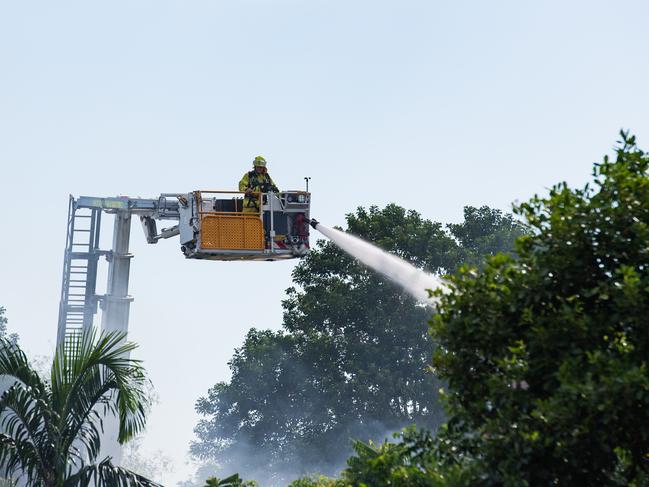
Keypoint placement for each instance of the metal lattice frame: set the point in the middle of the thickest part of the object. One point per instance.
(78, 304)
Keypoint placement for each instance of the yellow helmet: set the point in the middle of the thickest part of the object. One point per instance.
(259, 162)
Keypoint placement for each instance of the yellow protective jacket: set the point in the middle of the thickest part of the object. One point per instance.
(257, 182)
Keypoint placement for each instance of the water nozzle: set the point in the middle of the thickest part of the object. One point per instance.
(314, 223)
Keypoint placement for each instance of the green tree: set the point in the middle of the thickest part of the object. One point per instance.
(546, 356)
(410, 462)
(317, 481)
(51, 430)
(3, 322)
(3, 326)
(351, 359)
(231, 481)
(483, 232)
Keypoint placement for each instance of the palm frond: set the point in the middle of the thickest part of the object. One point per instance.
(10, 460)
(105, 474)
(98, 373)
(15, 366)
(84, 423)
(25, 443)
(69, 369)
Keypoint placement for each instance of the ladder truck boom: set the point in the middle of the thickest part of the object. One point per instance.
(210, 225)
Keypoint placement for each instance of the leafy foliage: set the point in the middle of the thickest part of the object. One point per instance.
(51, 430)
(317, 481)
(3, 326)
(484, 232)
(231, 481)
(412, 461)
(3, 322)
(546, 356)
(351, 359)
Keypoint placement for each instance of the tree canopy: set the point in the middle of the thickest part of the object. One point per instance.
(351, 360)
(546, 355)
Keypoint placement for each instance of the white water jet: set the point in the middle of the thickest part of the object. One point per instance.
(412, 279)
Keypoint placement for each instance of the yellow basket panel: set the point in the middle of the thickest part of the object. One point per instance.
(232, 232)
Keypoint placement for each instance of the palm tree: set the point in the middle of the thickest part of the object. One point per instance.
(50, 431)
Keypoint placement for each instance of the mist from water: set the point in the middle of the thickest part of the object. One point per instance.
(412, 279)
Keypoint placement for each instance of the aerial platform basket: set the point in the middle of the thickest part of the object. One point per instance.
(214, 226)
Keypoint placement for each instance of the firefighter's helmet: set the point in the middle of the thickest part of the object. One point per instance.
(259, 162)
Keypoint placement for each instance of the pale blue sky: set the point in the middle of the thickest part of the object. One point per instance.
(433, 105)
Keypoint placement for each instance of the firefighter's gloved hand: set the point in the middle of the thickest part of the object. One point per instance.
(248, 192)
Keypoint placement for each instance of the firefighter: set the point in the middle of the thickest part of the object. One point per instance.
(256, 181)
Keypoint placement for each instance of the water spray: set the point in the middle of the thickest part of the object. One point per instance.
(413, 280)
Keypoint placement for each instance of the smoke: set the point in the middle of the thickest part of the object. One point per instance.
(291, 460)
(413, 280)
